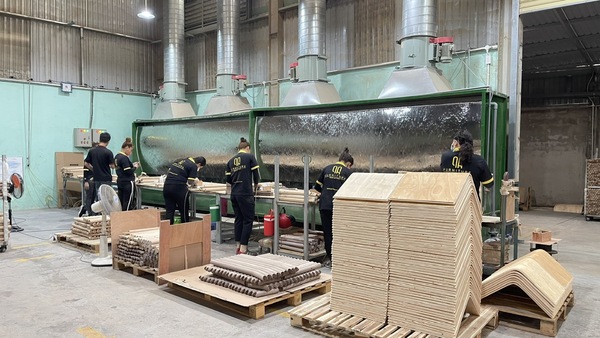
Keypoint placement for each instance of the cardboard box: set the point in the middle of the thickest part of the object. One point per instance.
(67, 159)
(541, 236)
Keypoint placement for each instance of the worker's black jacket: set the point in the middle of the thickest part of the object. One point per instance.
(241, 170)
(477, 166)
(124, 168)
(182, 172)
(331, 179)
(100, 158)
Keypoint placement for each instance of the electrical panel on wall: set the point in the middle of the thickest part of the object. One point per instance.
(82, 137)
(96, 136)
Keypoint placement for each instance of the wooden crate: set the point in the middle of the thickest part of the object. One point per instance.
(79, 242)
(316, 316)
(522, 313)
(188, 282)
(491, 253)
(181, 246)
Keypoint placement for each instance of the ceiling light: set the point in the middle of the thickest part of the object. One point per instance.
(145, 14)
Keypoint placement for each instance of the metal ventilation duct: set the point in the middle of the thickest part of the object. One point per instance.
(417, 74)
(228, 96)
(173, 102)
(312, 86)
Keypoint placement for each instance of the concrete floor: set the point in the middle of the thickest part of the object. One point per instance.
(51, 290)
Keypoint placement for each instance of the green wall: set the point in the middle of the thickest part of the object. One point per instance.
(38, 120)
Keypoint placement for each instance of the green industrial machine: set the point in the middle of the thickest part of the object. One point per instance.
(384, 135)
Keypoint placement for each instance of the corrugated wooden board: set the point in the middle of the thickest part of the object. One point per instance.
(368, 186)
(539, 275)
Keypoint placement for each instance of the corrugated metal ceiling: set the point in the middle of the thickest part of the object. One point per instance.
(564, 39)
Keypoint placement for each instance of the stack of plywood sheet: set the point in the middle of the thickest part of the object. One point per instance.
(435, 252)
(260, 275)
(361, 245)
(89, 227)
(539, 275)
(139, 247)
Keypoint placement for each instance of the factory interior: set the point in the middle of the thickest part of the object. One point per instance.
(300, 168)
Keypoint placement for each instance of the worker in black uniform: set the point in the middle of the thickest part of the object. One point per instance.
(331, 179)
(181, 174)
(241, 171)
(88, 194)
(100, 160)
(460, 158)
(125, 170)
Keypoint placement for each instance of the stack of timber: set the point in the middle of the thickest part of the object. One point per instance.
(2, 238)
(211, 187)
(89, 227)
(296, 196)
(262, 275)
(294, 243)
(139, 247)
(72, 171)
(537, 274)
(435, 252)
(361, 245)
(150, 181)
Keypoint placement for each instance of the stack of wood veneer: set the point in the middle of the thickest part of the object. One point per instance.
(260, 275)
(291, 195)
(72, 171)
(539, 275)
(89, 227)
(295, 242)
(139, 247)
(361, 245)
(435, 252)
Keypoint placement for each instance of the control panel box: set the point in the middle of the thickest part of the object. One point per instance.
(96, 136)
(82, 137)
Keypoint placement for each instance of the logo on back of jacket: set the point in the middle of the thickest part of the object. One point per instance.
(237, 165)
(457, 166)
(336, 173)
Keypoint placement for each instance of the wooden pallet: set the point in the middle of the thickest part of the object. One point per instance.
(79, 242)
(188, 282)
(522, 313)
(316, 316)
(135, 269)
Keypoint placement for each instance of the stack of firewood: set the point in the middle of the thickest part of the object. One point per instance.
(295, 242)
(89, 227)
(139, 247)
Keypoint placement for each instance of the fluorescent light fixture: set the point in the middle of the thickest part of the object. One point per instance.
(145, 14)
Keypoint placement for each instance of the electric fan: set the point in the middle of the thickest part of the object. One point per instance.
(107, 203)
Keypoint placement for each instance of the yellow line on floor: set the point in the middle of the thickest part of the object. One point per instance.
(89, 332)
(283, 313)
(29, 245)
(21, 260)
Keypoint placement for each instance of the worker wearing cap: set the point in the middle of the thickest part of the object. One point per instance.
(181, 174)
(329, 182)
(242, 170)
(461, 158)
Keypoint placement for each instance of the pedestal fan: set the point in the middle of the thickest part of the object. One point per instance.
(15, 189)
(107, 203)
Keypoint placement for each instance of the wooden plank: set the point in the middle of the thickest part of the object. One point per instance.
(136, 270)
(183, 246)
(570, 208)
